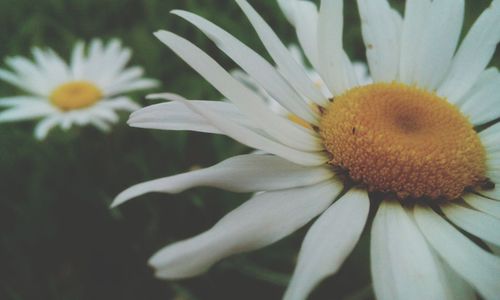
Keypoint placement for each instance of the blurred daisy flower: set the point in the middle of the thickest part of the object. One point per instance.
(87, 91)
(419, 147)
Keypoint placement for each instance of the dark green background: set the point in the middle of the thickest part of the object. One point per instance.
(59, 239)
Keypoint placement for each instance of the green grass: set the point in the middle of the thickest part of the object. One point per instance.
(58, 237)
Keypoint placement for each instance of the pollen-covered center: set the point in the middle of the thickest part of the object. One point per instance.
(399, 139)
(75, 95)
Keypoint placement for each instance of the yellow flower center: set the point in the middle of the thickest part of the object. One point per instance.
(75, 95)
(398, 139)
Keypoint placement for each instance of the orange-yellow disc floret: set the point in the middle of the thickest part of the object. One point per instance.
(400, 139)
(75, 95)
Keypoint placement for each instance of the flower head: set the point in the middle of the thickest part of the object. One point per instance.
(87, 91)
(411, 146)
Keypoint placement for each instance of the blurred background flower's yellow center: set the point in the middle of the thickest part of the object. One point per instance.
(399, 139)
(75, 95)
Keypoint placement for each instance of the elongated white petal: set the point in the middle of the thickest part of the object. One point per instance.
(328, 243)
(21, 101)
(381, 38)
(177, 116)
(481, 102)
(439, 41)
(492, 194)
(402, 264)
(304, 17)
(459, 289)
(43, 127)
(245, 173)
(281, 129)
(139, 84)
(256, 66)
(27, 112)
(253, 138)
(416, 16)
(490, 138)
(478, 223)
(335, 68)
(291, 70)
(483, 204)
(120, 103)
(474, 54)
(260, 221)
(480, 268)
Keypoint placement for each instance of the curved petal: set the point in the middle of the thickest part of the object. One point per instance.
(402, 264)
(290, 69)
(256, 66)
(252, 138)
(480, 268)
(490, 137)
(250, 104)
(262, 220)
(328, 243)
(244, 173)
(381, 38)
(21, 101)
(479, 224)
(474, 54)
(177, 116)
(43, 127)
(485, 205)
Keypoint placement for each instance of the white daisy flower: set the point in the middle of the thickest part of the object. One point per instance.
(407, 147)
(87, 91)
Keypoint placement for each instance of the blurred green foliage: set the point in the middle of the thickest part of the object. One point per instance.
(59, 239)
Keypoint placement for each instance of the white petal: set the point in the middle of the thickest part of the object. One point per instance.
(256, 66)
(490, 137)
(106, 114)
(100, 124)
(439, 41)
(262, 220)
(21, 101)
(120, 103)
(402, 264)
(130, 86)
(478, 223)
(177, 116)
(381, 38)
(328, 243)
(291, 70)
(480, 268)
(244, 173)
(474, 54)
(481, 103)
(485, 205)
(44, 126)
(283, 130)
(304, 16)
(459, 289)
(78, 60)
(416, 17)
(335, 68)
(252, 138)
(25, 112)
(492, 194)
